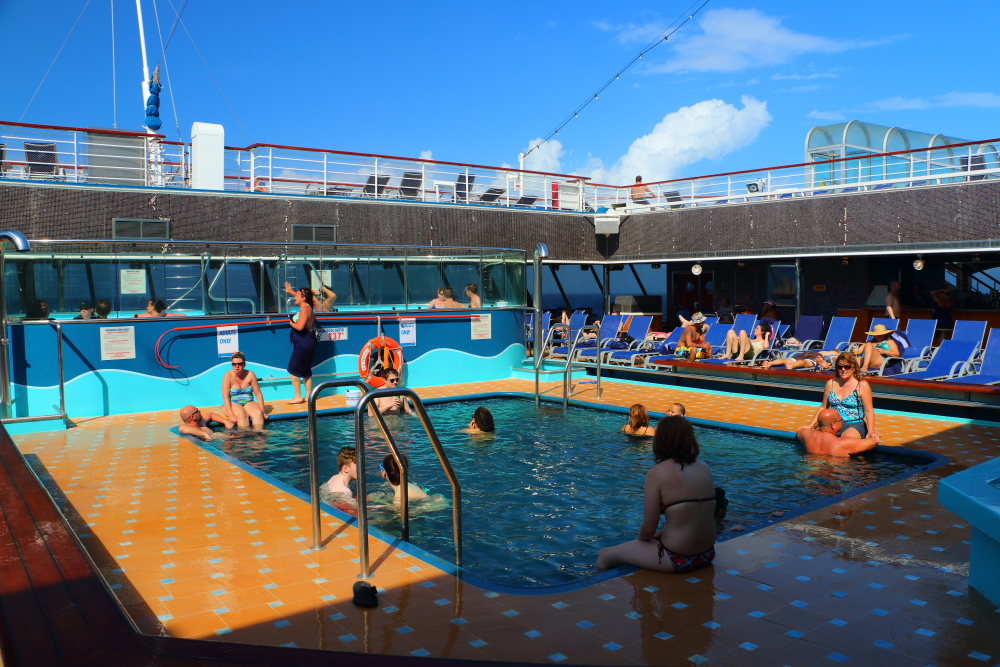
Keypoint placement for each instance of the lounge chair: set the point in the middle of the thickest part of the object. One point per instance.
(462, 188)
(638, 329)
(526, 201)
(778, 331)
(884, 186)
(887, 322)
(987, 371)
(40, 158)
(838, 336)
(530, 328)
(920, 334)
(673, 196)
(716, 337)
(810, 327)
(576, 320)
(372, 189)
(718, 341)
(410, 185)
(608, 332)
(947, 361)
(491, 196)
(645, 349)
(973, 330)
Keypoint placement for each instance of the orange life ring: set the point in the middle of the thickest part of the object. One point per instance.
(378, 356)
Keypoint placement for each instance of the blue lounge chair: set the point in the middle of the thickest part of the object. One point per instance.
(920, 334)
(777, 333)
(809, 327)
(530, 328)
(645, 349)
(716, 337)
(988, 370)
(576, 320)
(838, 336)
(610, 324)
(973, 330)
(888, 323)
(947, 362)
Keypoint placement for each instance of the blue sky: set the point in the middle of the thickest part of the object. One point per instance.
(736, 88)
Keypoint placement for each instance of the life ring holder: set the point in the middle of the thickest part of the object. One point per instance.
(377, 356)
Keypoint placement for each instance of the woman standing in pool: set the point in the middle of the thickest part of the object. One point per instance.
(303, 343)
(638, 422)
(850, 395)
(680, 487)
(239, 391)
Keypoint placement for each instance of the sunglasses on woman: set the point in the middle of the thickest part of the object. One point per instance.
(845, 368)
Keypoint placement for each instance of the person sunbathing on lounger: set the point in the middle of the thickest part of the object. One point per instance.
(875, 351)
(692, 344)
(822, 359)
(741, 346)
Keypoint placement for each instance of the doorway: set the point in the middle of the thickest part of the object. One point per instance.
(689, 290)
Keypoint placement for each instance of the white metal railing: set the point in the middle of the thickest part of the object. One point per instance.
(110, 157)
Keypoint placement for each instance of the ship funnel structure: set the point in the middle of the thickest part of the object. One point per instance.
(153, 121)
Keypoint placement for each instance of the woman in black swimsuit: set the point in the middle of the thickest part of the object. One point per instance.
(680, 487)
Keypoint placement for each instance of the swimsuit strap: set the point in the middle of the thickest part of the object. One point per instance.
(689, 500)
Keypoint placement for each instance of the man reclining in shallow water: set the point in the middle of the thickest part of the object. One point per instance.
(195, 422)
(823, 439)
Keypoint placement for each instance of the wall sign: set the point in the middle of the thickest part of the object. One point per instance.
(133, 281)
(331, 334)
(482, 327)
(407, 331)
(227, 340)
(117, 343)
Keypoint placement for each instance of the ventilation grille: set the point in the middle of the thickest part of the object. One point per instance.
(131, 228)
(314, 233)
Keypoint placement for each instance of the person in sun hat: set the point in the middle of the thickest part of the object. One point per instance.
(874, 352)
(692, 344)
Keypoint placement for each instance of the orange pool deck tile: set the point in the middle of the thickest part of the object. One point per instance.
(196, 547)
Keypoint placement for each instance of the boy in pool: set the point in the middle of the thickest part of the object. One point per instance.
(676, 410)
(195, 422)
(482, 422)
(390, 473)
(393, 405)
(347, 472)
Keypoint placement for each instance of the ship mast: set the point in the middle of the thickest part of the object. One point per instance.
(150, 100)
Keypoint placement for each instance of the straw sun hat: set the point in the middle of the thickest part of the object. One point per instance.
(879, 330)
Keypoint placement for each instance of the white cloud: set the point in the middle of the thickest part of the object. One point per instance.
(737, 39)
(706, 130)
(545, 157)
(952, 99)
(804, 77)
(826, 115)
(631, 33)
(427, 155)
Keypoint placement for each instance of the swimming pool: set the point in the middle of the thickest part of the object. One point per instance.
(552, 487)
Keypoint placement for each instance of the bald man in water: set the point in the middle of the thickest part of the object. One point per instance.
(195, 422)
(823, 438)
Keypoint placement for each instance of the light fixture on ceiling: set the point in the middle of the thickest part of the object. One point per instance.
(741, 263)
(654, 266)
(918, 263)
(845, 260)
(696, 269)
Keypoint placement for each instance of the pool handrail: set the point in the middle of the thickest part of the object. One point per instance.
(571, 355)
(540, 354)
(314, 459)
(359, 441)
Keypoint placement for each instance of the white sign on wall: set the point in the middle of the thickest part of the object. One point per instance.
(407, 331)
(227, 340)
(133, 281)
(482, 327)
(331, 334)
(117, 343)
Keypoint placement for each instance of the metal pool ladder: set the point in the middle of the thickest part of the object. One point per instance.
(369, 395)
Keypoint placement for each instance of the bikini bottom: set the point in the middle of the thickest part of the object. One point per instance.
(684, 564)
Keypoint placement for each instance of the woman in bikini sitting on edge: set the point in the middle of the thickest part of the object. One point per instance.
(680, 487)
(241, 396)
(849, 394)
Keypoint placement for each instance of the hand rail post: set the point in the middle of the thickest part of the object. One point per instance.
(62, 375)
(541, 254)
(20, 245)
(538, 358)
(314, 451)
(569, 360)
(359, 434)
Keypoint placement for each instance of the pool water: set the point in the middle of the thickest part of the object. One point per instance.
(551, 487)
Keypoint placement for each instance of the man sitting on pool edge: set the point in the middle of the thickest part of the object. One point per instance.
(195, 422)
(823, 438)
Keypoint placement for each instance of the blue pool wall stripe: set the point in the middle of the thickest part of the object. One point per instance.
(445, 353)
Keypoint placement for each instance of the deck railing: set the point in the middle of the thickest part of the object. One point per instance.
(113, 157)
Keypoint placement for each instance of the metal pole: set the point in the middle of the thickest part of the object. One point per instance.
(541, 253)
(607, 289)
(798, 290)
(145, 65)
(20, 245)
(314, 452)
(62, 375)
